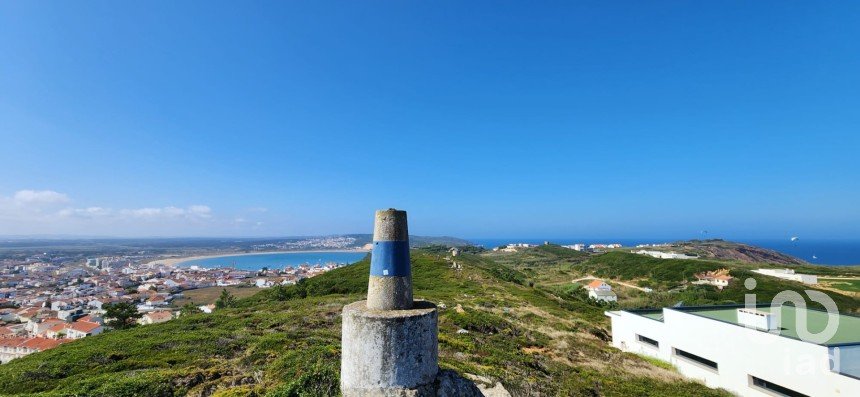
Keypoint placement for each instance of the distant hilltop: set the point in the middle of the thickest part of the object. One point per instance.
(721, 249)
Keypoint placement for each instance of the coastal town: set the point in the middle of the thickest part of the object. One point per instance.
(50, 299)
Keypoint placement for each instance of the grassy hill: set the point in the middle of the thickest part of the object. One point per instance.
(286, 342)
(526, 325)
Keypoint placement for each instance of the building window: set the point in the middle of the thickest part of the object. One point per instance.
(701, 361)
(647, 340)
(774, 389)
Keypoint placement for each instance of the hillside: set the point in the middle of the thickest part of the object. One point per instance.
(727, 250)
(670, 279)
(514, 319)
(285, 342)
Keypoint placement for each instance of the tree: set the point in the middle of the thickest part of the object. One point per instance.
(280, 293)
(190, 308)
(225, 300)
(121, 315)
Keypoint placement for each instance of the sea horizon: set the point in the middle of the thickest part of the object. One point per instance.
(825, 252)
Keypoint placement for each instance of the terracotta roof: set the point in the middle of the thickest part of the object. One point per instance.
(84, 326)
(595, 284)
(30, 311)
(42, 344)
(160, 315)
(88, 318)
(57, 327)
(12, 342)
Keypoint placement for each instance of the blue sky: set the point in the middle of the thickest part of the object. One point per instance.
(482, 119)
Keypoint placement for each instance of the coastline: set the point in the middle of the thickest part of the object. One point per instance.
(174, 261)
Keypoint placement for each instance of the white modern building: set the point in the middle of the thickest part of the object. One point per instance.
(665, 255)
(747, 351)
(576, 247)
(789, 274)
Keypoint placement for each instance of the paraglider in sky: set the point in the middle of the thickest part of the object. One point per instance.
(795, 238)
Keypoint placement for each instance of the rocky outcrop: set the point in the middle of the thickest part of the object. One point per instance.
(720, 249)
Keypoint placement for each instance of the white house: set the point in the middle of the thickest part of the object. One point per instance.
(598, 285)
(156, 317)
(599, 290)
(789, 274)
(575, 247)
(719, 278)
(12, 348)
(82, 329)
(747, 351)
(665, 255)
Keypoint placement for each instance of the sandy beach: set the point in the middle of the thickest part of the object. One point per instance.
(174, 260)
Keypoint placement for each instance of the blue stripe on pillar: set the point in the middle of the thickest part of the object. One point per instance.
(390, 258)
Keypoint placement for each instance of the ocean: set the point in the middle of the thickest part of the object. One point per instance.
(275, 260)
(820, 252)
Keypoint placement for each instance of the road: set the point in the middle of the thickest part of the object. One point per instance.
(628, 285)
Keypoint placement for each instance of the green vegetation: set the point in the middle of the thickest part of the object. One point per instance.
(285, 341)
(627, 266)
(225, 300)
(850, 285)
(670, 280)
(189, 309)
(517, 318)
(206, 296)
(122, 315)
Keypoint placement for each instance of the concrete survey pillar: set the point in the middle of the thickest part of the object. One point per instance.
(390, 285)
(389, 341)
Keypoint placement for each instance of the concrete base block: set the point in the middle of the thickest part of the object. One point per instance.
(389, 352)
(389, 293)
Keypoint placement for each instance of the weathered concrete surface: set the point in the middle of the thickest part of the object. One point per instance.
(390, 284)
(389, 293)
(389, 352)
(390, 225)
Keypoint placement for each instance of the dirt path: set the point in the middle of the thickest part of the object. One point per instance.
(628, 285)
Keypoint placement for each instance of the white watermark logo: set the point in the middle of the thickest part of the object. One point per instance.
(805, 328)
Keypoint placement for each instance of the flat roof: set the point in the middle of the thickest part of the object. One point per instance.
(847, 333)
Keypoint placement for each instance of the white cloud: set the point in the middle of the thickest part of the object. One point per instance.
(89, 212)
(142, 212)
(192, 212)
(202, 211)
(39, 197)
(48, 211)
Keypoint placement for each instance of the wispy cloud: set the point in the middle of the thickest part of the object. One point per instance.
(26, 197)
(48, 211)
(89, 212)
(191, 212)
